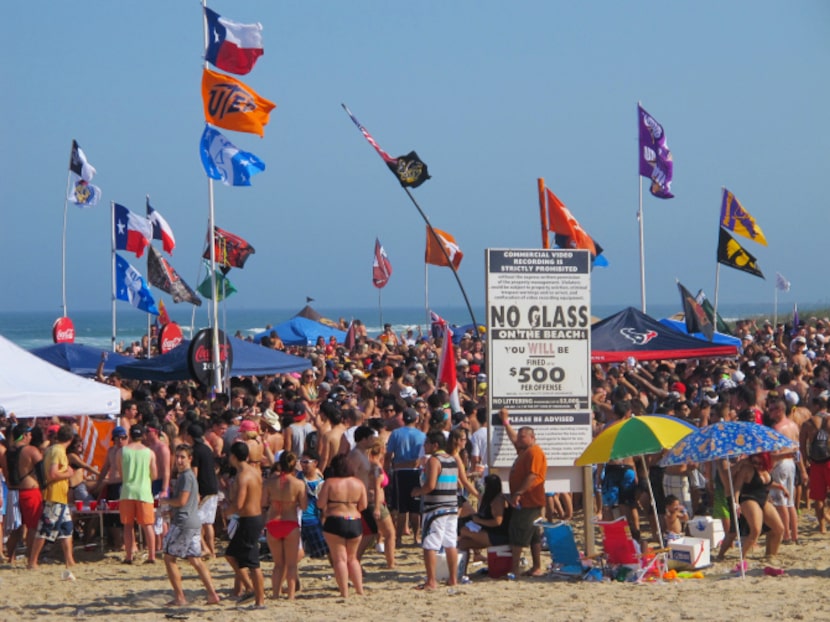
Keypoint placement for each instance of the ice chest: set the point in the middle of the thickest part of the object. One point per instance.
(499, 561)
(708, 528)
(689, 553)
(442, 569)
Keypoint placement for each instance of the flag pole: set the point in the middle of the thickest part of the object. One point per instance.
(380, 307)
(438, 241)
(112, 237)
(640, 221)
(217, 371)
(775, 306)
(426, 292)
(63, 238)
(149, 337)
(543, 216)
(717, 288)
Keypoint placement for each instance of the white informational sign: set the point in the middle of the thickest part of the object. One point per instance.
(539, 349)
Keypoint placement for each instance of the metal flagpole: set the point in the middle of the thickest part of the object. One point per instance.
(717, 287)
(640, 221)
(149, 329)
(63, 241)
(112, 237)
(775, 306)
(217, 371)
(446, 255)
(543, 215)
(380, 308)
(426, 293)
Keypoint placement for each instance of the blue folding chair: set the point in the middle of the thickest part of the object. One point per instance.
(567, 562)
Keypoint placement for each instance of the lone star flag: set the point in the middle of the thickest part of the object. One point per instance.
(233, 105)
(381, 268)
(735, 218)
(232, 46)
(162, 275)
(732, 254)
(410, 170)
(161, 230)
(231, 250)
(656, 161)
(435, 256)
(696, 319)
(224, 161)
(81, 172)
(132, 232)
(131, 287)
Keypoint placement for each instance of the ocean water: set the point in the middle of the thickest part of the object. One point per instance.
(31, 329)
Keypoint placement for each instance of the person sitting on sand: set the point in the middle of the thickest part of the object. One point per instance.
(674, 519)
(184, 538)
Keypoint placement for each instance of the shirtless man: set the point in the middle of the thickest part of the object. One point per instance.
(109, 482)
(245, 505)
(21, 460)
(784, 469)
(215, 436)
(819, 468)
(360, 467)
(330, 443)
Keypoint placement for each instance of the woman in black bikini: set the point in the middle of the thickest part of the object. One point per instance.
(752, 481)
(342, 498)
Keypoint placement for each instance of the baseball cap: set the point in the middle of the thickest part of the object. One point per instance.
(410, 416)
(19, 430)
(136, 432)
(52, 429)
(248, 426)
(119, 431)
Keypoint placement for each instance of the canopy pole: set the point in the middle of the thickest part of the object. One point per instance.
(738, 542)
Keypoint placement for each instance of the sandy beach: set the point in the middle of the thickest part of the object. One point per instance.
(106, 589)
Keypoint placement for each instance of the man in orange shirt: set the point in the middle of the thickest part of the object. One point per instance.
(527, 495)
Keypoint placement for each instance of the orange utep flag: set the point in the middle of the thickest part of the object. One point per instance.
(561, 221)
(231, 104)
(435, 255)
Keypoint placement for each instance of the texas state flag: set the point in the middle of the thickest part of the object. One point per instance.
(232, 46)
(132, 232)
(161, 230)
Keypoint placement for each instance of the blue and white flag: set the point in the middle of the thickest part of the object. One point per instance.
(224, 161)
(131, 287)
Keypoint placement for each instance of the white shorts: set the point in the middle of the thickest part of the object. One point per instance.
(207, 509)
(783, 472)
(439, 530)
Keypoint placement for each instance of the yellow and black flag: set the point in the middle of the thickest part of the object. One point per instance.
(732, 254)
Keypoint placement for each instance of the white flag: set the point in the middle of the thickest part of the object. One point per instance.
(781, 283)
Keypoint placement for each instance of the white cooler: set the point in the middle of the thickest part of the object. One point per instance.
(689, 553)
(708, 528)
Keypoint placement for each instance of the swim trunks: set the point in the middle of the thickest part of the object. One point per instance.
(244, 546)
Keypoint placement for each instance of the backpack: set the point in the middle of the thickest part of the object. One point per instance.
(819, 450)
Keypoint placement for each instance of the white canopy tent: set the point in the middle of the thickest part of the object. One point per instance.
(31, 387)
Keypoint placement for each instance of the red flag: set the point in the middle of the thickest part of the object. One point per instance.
(435, 256)
(561, 221)
(446, 369)
(163, 317)
(231, 250)
(381, 268)
(349, 342)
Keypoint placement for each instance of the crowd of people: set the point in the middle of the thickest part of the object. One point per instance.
(364, 449)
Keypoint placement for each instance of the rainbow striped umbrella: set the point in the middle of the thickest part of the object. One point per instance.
(635, 436)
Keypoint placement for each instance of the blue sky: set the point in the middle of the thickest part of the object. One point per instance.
(491, 94)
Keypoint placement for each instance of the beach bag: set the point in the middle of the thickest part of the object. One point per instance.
(819, 448)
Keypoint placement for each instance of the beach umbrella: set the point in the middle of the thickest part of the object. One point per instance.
(727, 439)
(636, 436)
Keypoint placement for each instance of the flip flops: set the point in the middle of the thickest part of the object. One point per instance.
(773, 572)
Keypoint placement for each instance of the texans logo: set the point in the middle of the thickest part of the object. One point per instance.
(639, 338)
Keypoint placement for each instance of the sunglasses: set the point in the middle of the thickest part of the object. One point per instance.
(304, 461)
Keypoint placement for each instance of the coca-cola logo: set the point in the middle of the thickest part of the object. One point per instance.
(200, 356)
(170, 336)
(63, 331)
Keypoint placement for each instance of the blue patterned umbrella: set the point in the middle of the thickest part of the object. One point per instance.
(726, 439)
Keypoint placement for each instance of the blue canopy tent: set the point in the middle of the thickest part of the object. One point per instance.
(249, 359)
(300, 331)
(80, 359)
(680, 326)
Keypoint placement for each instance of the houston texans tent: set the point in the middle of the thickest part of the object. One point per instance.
(633, 333)
(249, 359)
(80, 359)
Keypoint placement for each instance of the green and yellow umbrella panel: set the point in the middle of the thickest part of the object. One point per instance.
(635, 436)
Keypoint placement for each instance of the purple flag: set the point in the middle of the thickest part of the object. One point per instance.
(655, 157)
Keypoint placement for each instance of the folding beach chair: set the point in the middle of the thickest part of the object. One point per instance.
(567, 562)
(621, 551)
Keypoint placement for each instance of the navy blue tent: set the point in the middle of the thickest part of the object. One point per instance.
(300, 331)
(680, 326)
(249, 359)
(633, 333)
(80, 359)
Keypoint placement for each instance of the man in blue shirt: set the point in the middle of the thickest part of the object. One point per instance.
(402, 450)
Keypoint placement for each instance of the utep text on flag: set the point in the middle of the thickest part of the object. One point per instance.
(131, 287)
(655, 158)
(696, 319)
(222, 160)
(410, 170)
(231, 250)
(435, 256)
(224, 287)
(381, 267)
(132, 232)
(781, 283)
(231, 104)
(161, 230)
(732, 254)
(232, 46)
(735, 218)
(162, 275)
(81, 192)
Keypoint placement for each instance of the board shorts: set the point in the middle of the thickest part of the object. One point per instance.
(183, 542)
(55, 522)
(440, 530)
(403, 481)
(314, 543)
(30, 501)
(522, 530)
(244, 546)
(134, 511)
(207, 509)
